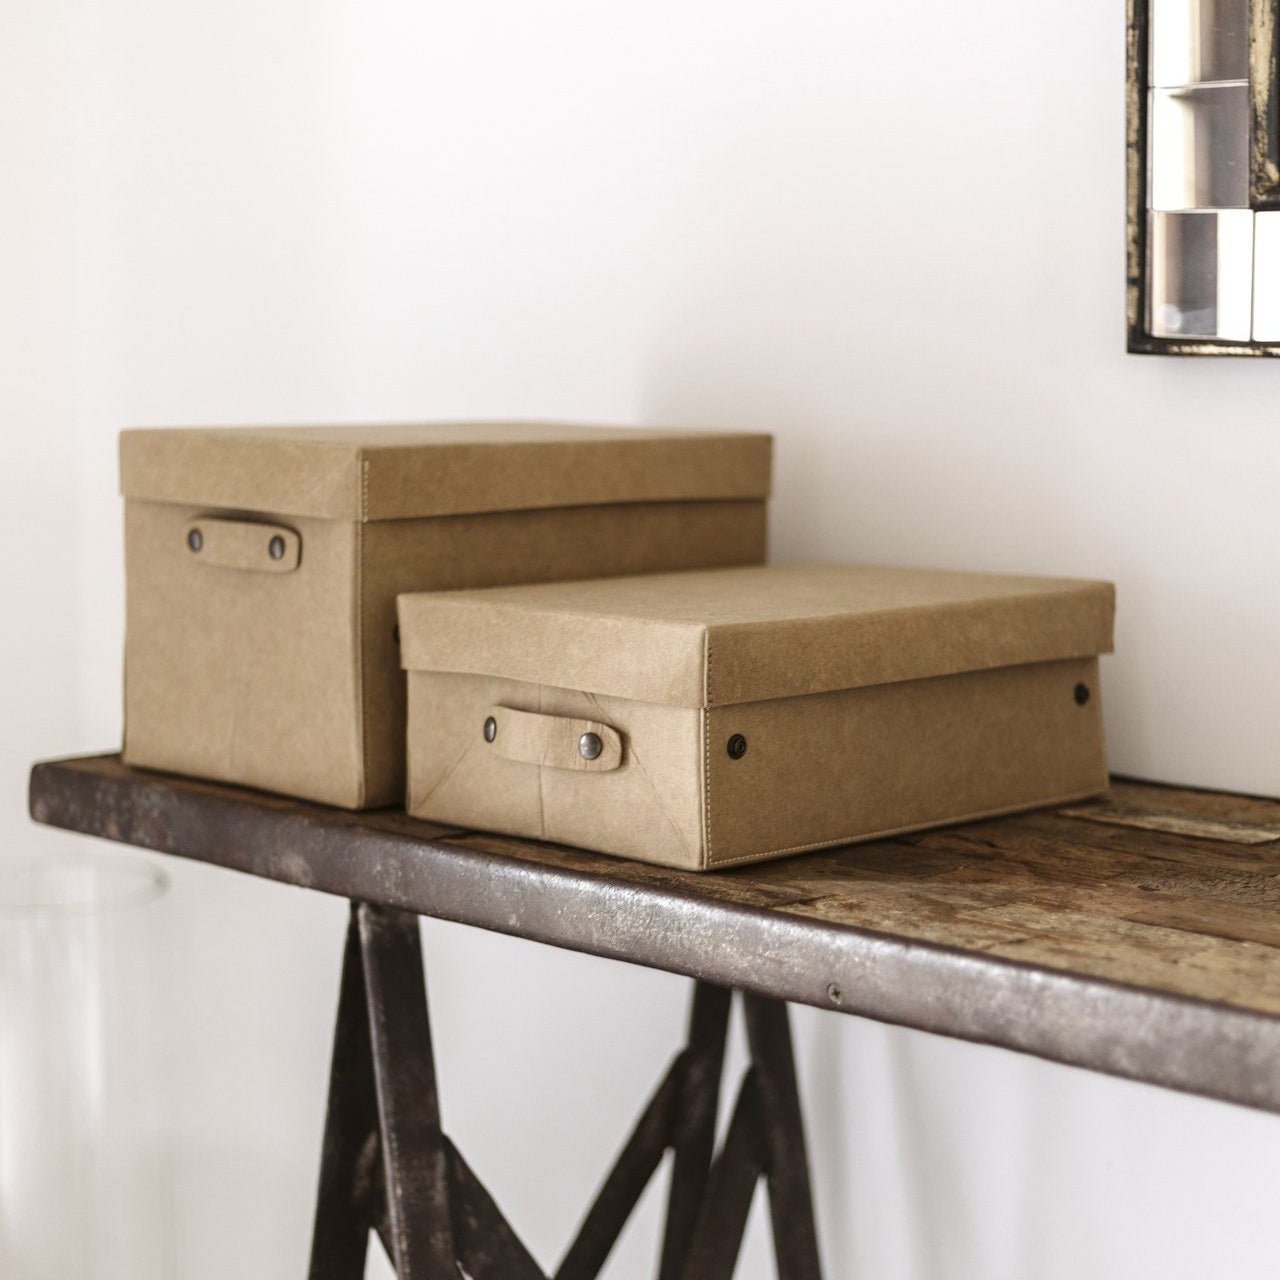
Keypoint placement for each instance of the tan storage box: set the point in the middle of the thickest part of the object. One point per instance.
(710, 718)
(263, 567)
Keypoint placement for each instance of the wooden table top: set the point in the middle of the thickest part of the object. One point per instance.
(1137, 935)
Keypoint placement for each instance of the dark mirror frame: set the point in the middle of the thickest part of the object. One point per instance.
(1264, 170)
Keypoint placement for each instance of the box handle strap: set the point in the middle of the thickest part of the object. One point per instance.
(242, 544)
(558, 742)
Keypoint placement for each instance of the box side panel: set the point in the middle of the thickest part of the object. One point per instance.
(648, 808)
(237, 675)
(831, 768)
(496, 470)
(517, 547)
(244, 470)
(821, 628)
(407, 471)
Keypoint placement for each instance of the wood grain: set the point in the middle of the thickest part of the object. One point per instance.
(1158, 909)
(1141, 950)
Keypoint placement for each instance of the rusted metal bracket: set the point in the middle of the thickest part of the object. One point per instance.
(388, 1167)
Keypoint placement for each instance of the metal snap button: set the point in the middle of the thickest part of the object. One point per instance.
(195, 539)
(490, 729)
(590, 746)
(275, 548)
(737, 747)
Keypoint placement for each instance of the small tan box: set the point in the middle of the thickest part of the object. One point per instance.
(710, 718)
(263, 565)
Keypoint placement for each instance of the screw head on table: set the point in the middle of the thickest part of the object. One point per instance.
(590, 746)
(490, 729)
(195, 539)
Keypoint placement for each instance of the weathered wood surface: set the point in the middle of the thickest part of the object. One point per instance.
(1139, 935)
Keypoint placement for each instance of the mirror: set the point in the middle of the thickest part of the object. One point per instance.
(1204, 252)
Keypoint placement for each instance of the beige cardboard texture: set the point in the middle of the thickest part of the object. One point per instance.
(749, 634)
(435, 469)
(284, 674)
(649, 808)
(1006, 731)
(241, 676)
(827, 768)
(524, 546)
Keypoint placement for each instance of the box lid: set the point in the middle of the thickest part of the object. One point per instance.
(436, 469)
(722, 636)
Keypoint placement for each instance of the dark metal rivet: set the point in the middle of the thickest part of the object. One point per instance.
(1082, 694)
(490, 729)
(195, 539)
(590, 746)
(834, 994)
(737, 747)
(275, 548)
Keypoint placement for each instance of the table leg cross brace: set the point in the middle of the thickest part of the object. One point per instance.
(388, 1167)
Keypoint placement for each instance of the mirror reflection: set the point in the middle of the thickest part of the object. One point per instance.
(1198, 41)
(1201, 275)
(1199, 147)
(1266, 277)
(1212, 269)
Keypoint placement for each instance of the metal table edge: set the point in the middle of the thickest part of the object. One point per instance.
(1194, 1046)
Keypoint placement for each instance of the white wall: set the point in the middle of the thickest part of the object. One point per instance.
(893, 235)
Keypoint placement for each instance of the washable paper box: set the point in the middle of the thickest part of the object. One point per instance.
(710, 718)
(263, 565)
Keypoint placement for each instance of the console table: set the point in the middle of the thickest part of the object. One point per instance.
(1137, 935)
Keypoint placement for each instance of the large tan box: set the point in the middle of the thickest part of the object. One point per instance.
(710, 718)
(263, 566)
